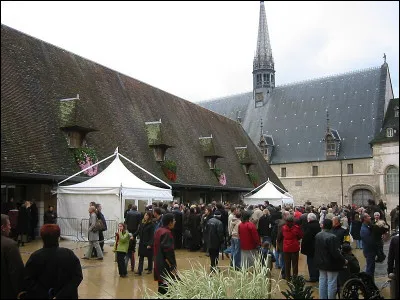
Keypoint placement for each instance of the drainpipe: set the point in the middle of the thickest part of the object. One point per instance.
(341, 178)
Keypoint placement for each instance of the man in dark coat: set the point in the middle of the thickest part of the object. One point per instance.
(50, 216)
(393, 262)
(12, 267)
(178, 228)
(215, 238)
(133, 219)
(265, 226)
(308, 245)
(103, 219)
(34, 219)
(338, 230)
(164, 253)
(24, 223)
(194, 228)
(369, 244)
(53, 271)
(328, 260)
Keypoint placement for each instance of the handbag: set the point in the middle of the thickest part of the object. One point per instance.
(99, 225)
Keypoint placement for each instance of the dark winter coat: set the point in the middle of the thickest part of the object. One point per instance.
(133, 219)
(195, 230)
(352, 267)
(355, 229)
(12, 269)
(291, 235)
(264, 226)
(340, 233)
(24, 220)
(146, 235)
(369, 244)
(163, 250)
(215, 233)
(50, 217)
(178, 227)
(56, 268)
(327, 255)
(308, 241)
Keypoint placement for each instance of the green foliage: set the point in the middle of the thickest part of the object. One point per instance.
(253, 177)
(217, 172)
(198, 283)
(297, 290)
(80, 154)
(169, 165)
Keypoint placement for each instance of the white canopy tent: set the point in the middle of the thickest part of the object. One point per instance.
(111, 188)
(269, 191)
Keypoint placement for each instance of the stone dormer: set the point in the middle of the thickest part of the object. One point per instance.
(244, 158)
(209, 151)
(157, 140)
(332, 141)
(74, 127)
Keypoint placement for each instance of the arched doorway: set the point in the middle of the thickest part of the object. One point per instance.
(360, 197)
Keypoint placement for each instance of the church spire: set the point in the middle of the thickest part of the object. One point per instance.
(263, 58)
(263, 63)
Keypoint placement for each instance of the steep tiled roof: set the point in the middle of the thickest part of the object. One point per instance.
(390, 121)
(36, 75)
(295, 114)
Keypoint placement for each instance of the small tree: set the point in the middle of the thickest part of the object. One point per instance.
(297, 289)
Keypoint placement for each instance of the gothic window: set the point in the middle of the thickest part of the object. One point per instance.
(330, 143)
(283, 172)
(389, 132)
(392, 180)
(272, 78)
(258, 80)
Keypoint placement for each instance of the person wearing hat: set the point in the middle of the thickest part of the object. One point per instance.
(215, 238)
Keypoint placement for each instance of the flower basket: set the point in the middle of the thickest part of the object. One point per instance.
(169, 169)
(85, 157)
(220, 176)
(254, 179)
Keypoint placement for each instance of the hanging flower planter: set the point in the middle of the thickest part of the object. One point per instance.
(85, 157)
(220, 176)
(254, 179)
(169, 169)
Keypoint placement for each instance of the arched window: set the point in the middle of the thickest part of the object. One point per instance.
(392, 180)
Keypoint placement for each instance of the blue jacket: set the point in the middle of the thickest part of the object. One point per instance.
(369, 245)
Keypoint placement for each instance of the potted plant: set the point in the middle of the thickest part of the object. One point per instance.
(169, 169)
(85, 157)
(220, 176)
(297, 289)
(254, 179)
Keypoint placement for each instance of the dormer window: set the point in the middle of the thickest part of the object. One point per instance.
(157, 139)
(396, 112)
(211, 161)
(332, 144)
(76, 139)
(159, 152)
(389, 132)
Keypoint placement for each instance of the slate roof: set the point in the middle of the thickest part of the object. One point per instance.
(390, 121)
(295, 114)
(35, 75)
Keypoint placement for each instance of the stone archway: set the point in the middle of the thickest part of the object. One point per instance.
(360, 193)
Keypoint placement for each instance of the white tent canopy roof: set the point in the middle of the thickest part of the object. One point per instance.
(271, 193)
(115, 177)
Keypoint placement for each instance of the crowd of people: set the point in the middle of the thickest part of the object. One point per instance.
(241, 233)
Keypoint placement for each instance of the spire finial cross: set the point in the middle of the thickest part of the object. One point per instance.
(384, 58)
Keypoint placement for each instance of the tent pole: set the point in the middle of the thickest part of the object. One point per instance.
(146, 171)
(86, 169)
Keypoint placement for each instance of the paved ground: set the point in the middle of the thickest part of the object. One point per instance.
(101, 280)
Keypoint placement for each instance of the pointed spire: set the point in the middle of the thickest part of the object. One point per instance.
(263, 58)
(261, 127)
(327, 121)
(384, 58)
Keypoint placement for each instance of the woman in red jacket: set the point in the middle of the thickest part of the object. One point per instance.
(249, 240)
(292, 233)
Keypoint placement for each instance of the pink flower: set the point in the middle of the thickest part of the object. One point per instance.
(222, 179)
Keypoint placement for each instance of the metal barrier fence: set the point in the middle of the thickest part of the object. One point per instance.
(112, 226)
(69, 226)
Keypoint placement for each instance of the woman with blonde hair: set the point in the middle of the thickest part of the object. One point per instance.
(121, 248)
